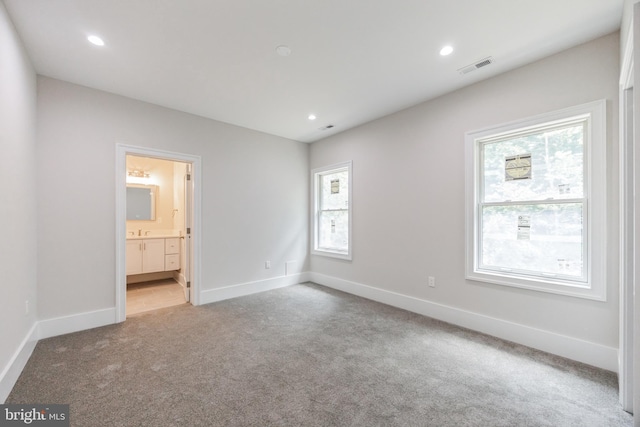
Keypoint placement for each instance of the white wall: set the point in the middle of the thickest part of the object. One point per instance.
(254, 194)
(409, 194)
(625, 24)
(18, 199)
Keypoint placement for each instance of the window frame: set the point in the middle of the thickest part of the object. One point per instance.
(594, 207)
(316, 194)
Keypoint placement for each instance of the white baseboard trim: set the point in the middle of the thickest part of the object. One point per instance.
(12, 371)
(208, 296)
(572, 348)
(76, 322)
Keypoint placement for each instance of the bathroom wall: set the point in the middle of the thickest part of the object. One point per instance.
(179, 213)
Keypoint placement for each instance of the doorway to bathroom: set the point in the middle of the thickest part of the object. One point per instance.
(157, 204)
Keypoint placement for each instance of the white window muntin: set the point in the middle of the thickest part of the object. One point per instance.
(318, 248)
(593, 285)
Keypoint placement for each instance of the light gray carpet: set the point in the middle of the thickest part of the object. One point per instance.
(309, 356)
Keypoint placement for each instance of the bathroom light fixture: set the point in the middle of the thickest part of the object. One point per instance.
(447, 50)
(312, 116)
(136, 173)
(95, 40)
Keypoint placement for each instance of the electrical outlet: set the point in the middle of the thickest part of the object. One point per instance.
(267, 264)
(432, 282)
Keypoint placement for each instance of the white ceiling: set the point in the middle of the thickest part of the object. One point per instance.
(352, 61)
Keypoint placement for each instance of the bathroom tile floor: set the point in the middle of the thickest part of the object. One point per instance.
(147, 296)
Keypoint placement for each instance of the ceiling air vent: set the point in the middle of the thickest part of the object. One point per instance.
(482, 63)
(326, 127)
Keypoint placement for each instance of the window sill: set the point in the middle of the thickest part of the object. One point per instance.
(557, 287)
(332, 254)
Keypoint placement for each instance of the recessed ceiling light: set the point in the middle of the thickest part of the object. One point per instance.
(447, 50)
(96, 40)
(312, 116)
(283, 50)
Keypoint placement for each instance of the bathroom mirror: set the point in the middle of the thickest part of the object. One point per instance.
(141, 202)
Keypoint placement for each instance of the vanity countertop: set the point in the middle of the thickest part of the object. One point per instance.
(153, 236)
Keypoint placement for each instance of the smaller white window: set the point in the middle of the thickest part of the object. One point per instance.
(331, 220)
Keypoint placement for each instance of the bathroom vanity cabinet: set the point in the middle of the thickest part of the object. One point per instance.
(151, 255)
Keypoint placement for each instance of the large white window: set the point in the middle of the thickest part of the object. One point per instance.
(536, 203)
(332, 211)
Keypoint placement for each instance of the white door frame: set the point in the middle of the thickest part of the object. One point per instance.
(633, 350)
(626, 230)
(121, 219)
(188, 225)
